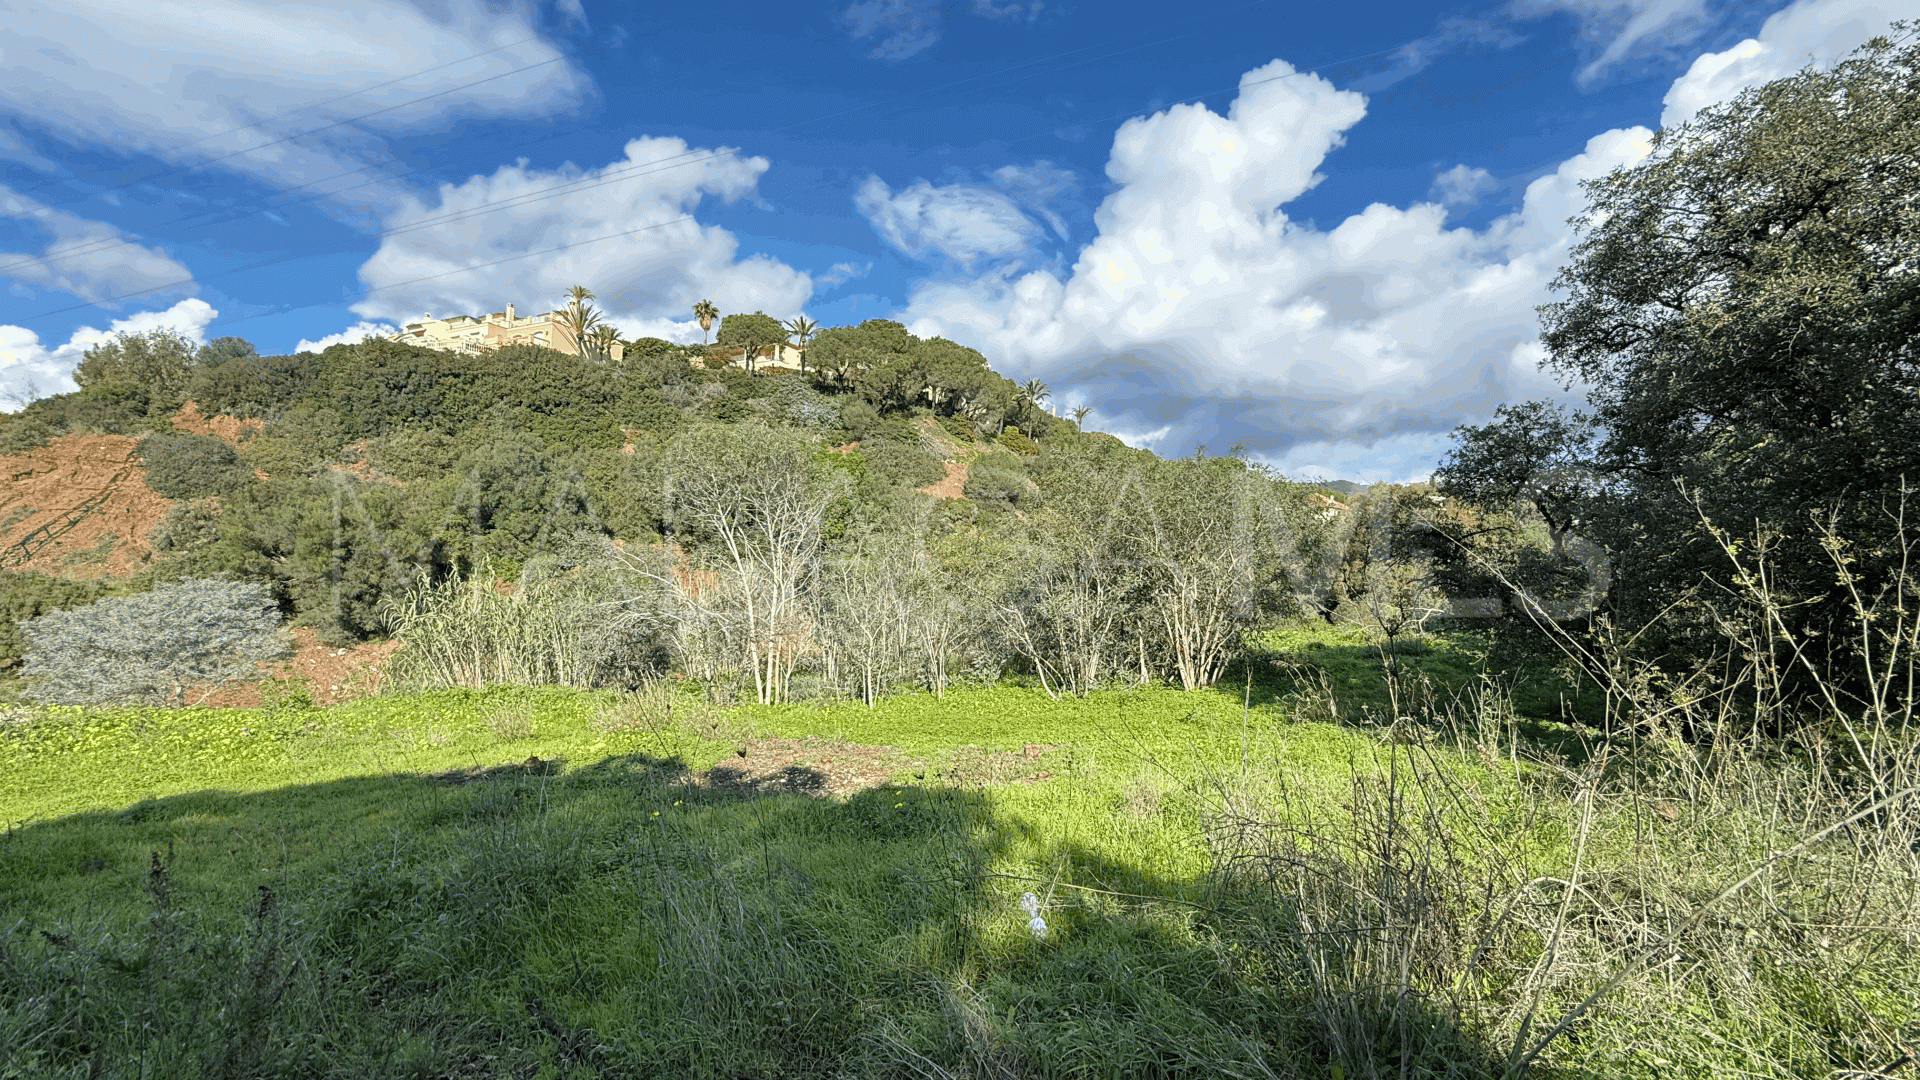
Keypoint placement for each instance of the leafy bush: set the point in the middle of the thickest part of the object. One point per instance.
(900, 462)
(188, 525)
(252, 386)
(1018, 443)
(799, 404)
(158, 362)
(105, 408)
(958, 427)
(987, 484)
(152, 648)
(649, 348)
(192, 466)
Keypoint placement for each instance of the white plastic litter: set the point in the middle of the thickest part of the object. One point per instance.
(1035, 923)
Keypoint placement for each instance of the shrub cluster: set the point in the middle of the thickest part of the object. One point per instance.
(192, 466)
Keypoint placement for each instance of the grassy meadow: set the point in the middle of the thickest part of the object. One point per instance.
(1312, 871)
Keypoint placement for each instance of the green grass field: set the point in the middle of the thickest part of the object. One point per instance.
(538, 882)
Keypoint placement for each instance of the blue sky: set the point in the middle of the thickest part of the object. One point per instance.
(1316, 229)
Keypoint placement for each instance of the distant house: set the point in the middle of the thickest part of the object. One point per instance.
(471, 333)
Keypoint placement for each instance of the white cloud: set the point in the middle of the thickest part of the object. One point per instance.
(1811, 33)
(1039, 187)
(29, 368)
(840, 274)
(1461, 185)
(961, 222)
(352, 335)
(1396, 459)
(1624, 28)
(1200, 310)
(904, 28)
(435, 261)
(91, 259)
(1010, 10)
(190, 83)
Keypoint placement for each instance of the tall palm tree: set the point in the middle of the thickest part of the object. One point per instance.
(1080, 413)
(579, 317)
(1031, 393)
(706, 313)
(799, 329)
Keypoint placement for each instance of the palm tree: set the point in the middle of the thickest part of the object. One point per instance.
(1080, 413)
(601, 340)
(1032, 393)
(800, 328)
(706, 313)
(579, 317)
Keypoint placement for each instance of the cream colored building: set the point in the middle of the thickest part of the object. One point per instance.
(470, 333)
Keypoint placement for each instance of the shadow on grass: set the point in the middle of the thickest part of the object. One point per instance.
(623, 917)
(1466, 679)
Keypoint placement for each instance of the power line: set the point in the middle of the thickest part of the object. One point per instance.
(640, 169)
(690, 157)
(237, 153)
(365, 293)
(529, 255)
(304, 108)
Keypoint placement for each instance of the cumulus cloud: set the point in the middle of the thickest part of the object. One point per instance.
(352, 335)
(1462, 185)
(91, 259)
(31, 369)
(1200, 311)
(1812, 33)
(903, 28)
(626, 231)
(1623, 28)
(228, 82)
(961, 222)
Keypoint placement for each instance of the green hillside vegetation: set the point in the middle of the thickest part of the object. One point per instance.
(715, 747)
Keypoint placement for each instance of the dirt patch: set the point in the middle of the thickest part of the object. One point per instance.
(819, 766)
(949, 486)
(806, 766)
(231, 428)
(78, 507)
(332, 675)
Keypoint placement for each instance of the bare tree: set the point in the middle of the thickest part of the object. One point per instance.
(748, 505)
(1205, 530)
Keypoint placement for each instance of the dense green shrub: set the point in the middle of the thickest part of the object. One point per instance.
(987, 484)
(188, 525)
(252, 386)
(377, 387)
(727, 410)
(159, 363)
(903, 462)
(192, 466)
(643, 408)
(1013, 440)
(648, 348)
(102, 409)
